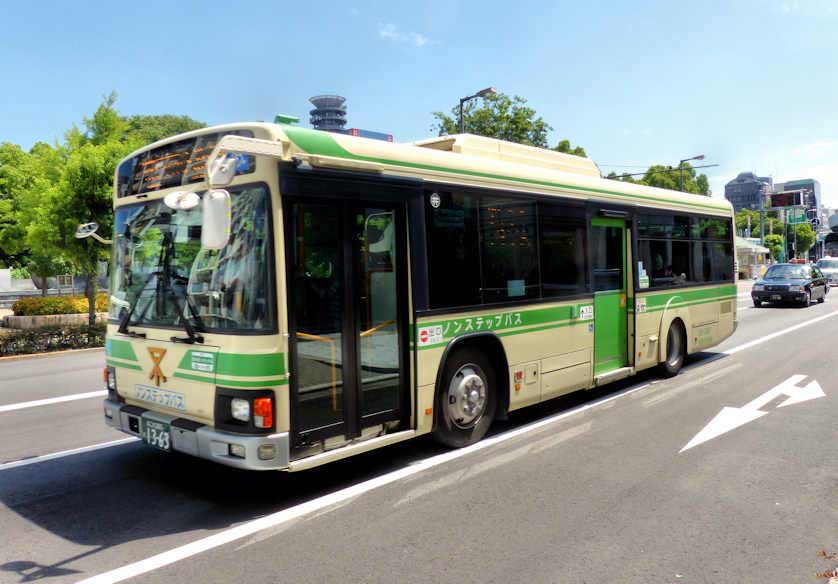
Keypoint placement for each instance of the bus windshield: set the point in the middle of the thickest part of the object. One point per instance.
(162, 275)
(828, 264)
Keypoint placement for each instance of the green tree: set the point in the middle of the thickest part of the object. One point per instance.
(803, 236)
(497, 116)
(148, 129)
(774, 243)
(564, 146)
(668, 177)
(82, 193)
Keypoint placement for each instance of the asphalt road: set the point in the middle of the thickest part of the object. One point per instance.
(593, 487)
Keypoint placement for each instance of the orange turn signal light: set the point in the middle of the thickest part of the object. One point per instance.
(263, 412)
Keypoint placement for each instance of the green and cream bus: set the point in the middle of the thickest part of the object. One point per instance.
(284, 297)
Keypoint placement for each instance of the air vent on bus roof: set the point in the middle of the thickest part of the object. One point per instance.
(472, 145)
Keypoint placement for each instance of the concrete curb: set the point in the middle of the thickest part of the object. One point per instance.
(51, 354)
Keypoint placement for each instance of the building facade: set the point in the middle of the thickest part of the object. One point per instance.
(748, 191)
(811, 193)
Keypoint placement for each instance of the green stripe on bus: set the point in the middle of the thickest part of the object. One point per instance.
(316, 142)
(716, 293)
(231, 382)
(114, 363)
(234, 364)
(120, 349)
(245, 365)
(524, 321)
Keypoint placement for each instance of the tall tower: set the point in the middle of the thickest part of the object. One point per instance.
(329, 112)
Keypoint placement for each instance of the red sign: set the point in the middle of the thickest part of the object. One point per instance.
(423, 336)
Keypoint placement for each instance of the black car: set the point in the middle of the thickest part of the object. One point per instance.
(800, 283)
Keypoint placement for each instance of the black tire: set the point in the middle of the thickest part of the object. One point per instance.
(823, 297)
(676, 349)
(807, 299)
(464, 409)
(757, 303)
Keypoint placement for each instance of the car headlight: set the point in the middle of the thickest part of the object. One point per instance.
(758, 287)
(240, 409)
(795, 288)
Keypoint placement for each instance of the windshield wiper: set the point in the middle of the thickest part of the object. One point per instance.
(192, 337)
(126, 316)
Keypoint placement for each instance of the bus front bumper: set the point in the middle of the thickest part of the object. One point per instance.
(203, 441)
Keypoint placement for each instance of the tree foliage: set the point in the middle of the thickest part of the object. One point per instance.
(148, 129)
(774, 243)
(772, 224)
(503, 117)
(47, 192)
(803, 237)
(668, 177)
(564, 146)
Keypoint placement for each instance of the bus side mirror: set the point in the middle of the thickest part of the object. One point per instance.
(217, 210)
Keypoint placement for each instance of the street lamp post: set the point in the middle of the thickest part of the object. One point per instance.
(481, 93)
(681, 168)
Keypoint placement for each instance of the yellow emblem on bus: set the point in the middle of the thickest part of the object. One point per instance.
(156, 357)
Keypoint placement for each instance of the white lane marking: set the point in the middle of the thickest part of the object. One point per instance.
(63, 453)
(731, 418)
(292, 513)
(52, 400)
(767, 338)
(275, 519)
(668, 393)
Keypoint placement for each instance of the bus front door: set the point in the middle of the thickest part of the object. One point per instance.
(608, 253)
(346, 329)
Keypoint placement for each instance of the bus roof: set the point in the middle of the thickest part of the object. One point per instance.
(472, 160)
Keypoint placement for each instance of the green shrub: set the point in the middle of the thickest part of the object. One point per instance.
(44, 305)
(21, 273)
(52, 338)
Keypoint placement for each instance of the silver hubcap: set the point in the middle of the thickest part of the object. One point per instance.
(674, 347)
(467, 392)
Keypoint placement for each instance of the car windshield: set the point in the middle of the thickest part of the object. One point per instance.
(160, 266)
(828, 264)
(787, 273)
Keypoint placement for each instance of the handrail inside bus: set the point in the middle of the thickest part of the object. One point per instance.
(377, 327)
(333, 348)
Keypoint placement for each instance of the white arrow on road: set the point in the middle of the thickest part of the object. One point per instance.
(731, 418)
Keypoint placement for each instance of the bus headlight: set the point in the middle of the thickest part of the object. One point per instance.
(110, 379)
(240, 409)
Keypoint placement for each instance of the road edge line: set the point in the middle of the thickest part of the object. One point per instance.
(51, 400)
(81, 450)
(774, 335)
(49, 354)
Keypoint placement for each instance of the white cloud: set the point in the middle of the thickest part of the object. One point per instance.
(390, 32)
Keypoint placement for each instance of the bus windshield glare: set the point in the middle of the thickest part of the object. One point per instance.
(161, 275)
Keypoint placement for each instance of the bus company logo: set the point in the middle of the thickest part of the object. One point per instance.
(156, 374)
(430, 335)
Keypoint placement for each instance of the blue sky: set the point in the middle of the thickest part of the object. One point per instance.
(750, 84)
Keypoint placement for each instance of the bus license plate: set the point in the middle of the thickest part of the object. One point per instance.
(157, 434)
(775, 297)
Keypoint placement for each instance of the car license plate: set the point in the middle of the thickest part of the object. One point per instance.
(157, 434)
(775, 297)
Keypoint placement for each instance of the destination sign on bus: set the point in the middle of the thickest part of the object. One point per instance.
(175, 164)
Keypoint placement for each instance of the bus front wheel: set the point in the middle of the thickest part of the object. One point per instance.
(466, 399)
(676, 348)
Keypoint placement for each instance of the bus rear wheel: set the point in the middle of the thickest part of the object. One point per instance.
(466, 399)
(676, 348)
